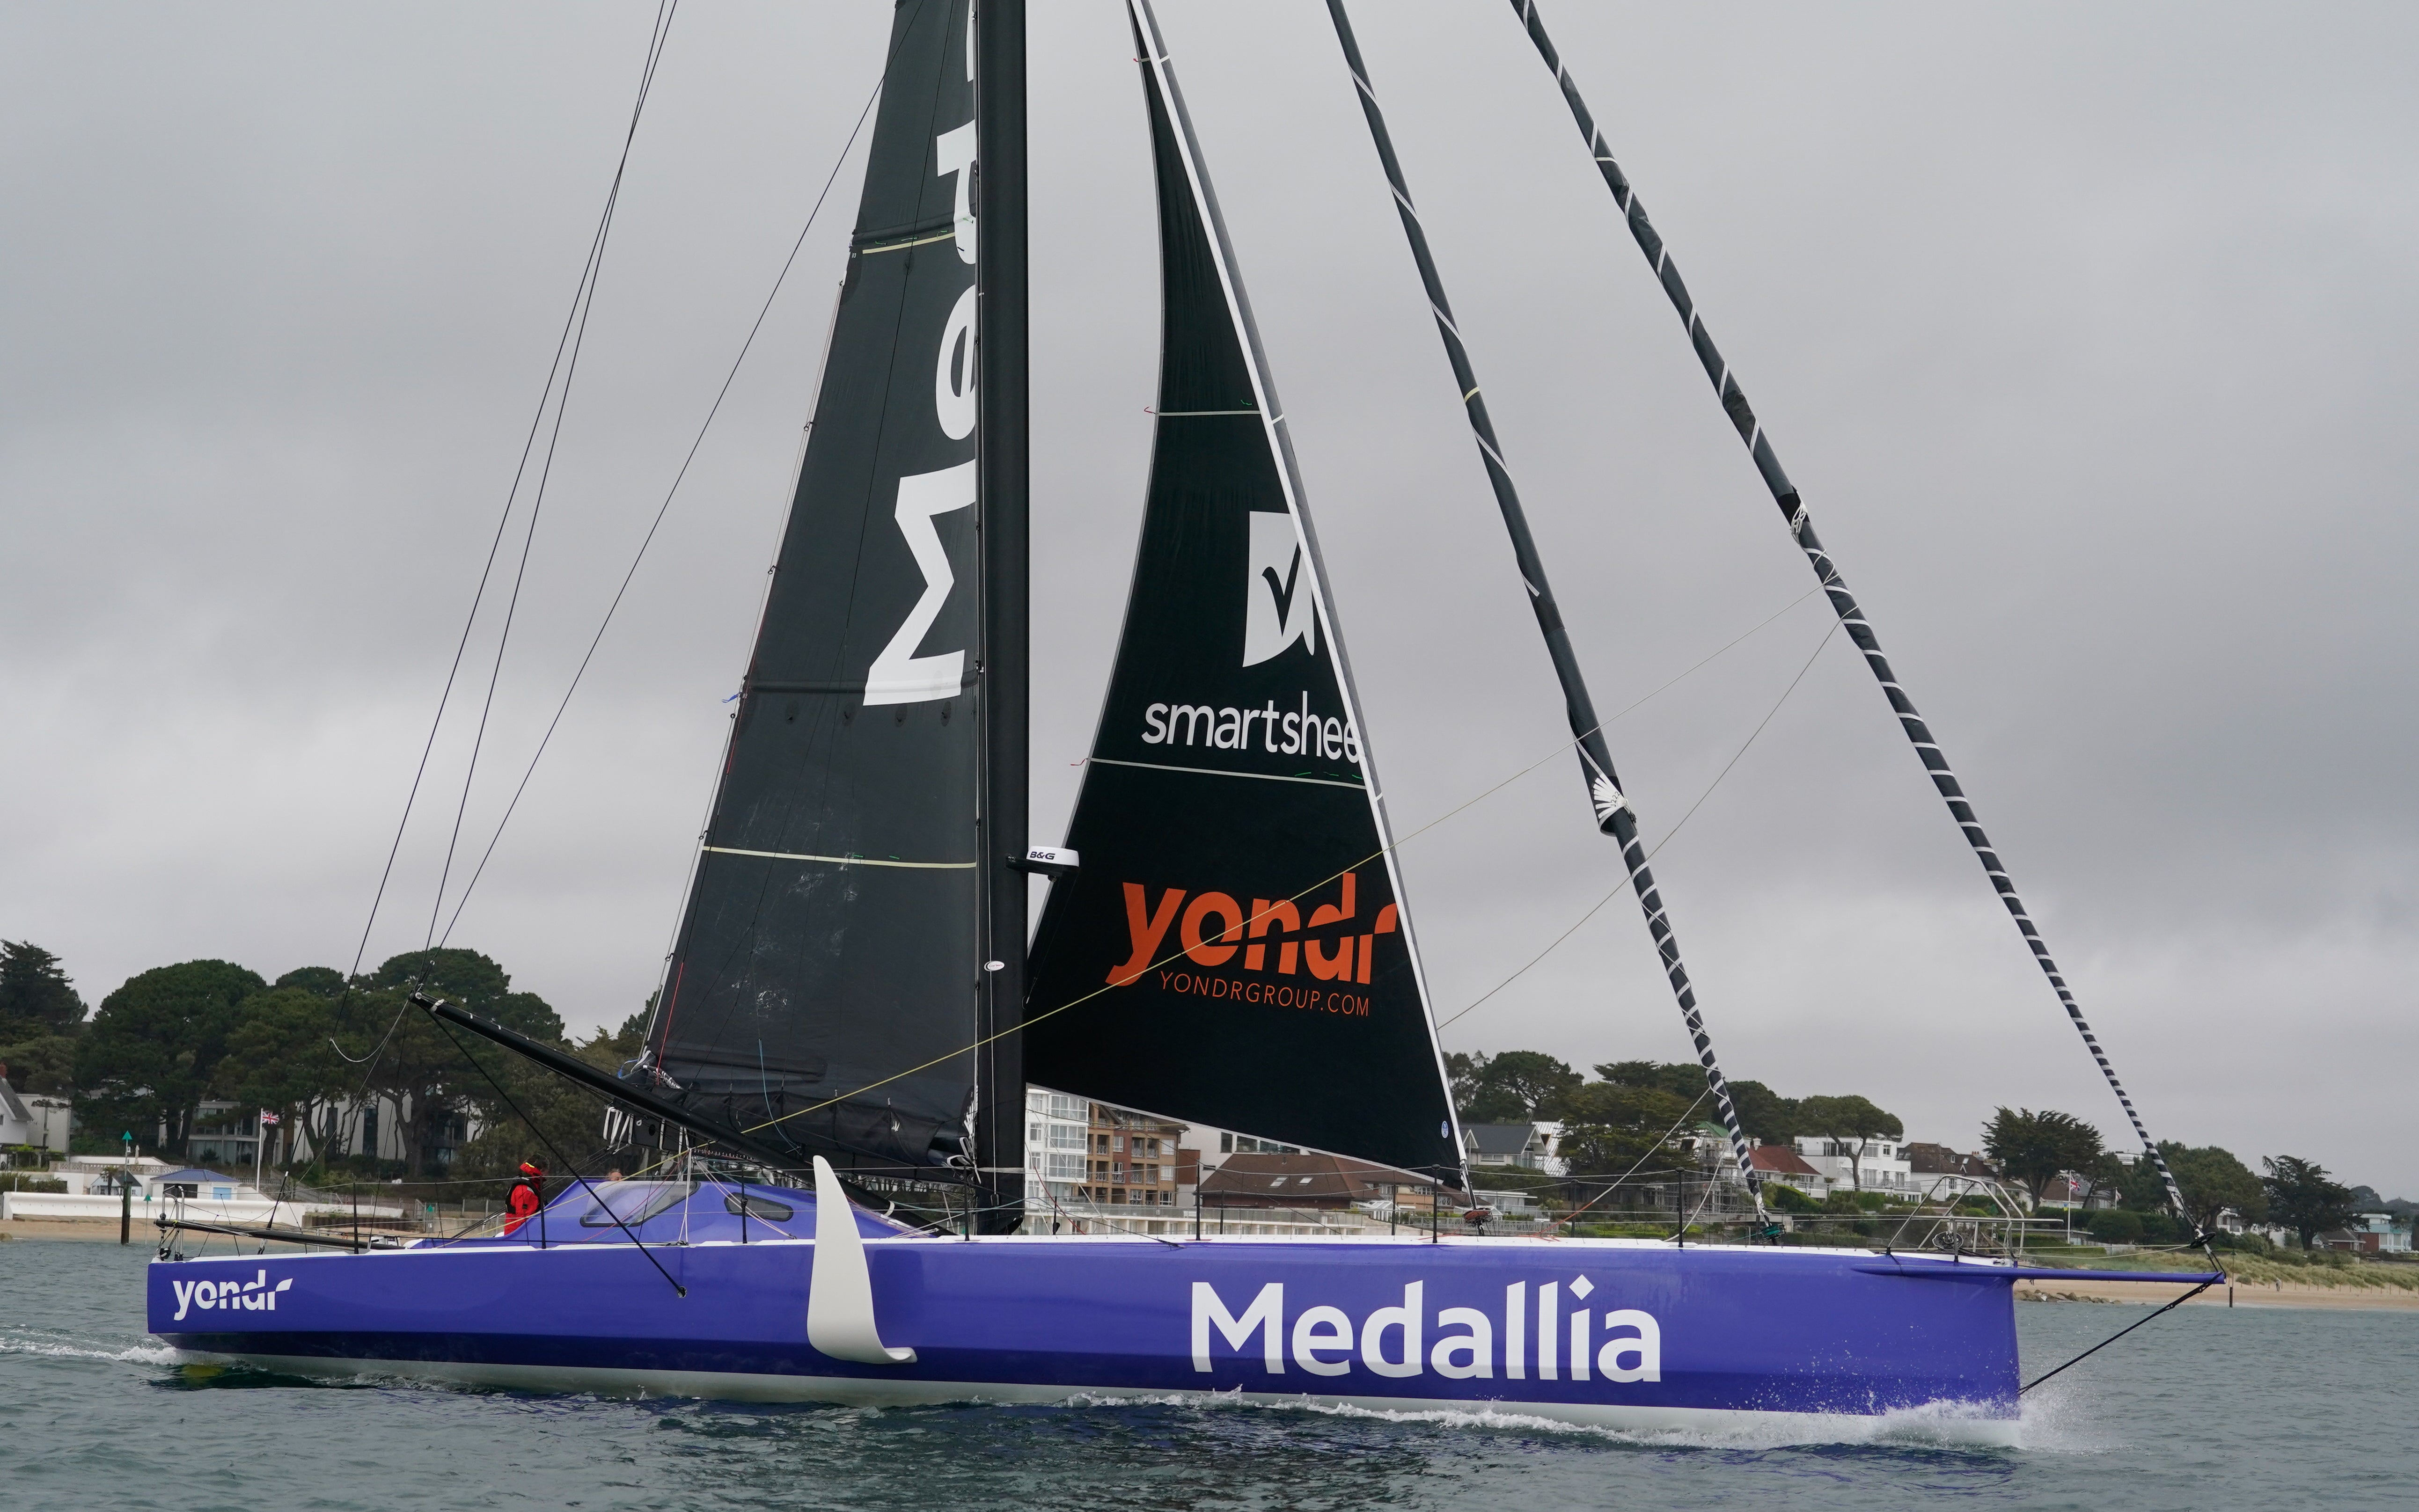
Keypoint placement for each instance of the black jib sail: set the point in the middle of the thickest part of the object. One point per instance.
(832, 938)
(1843, 603)
(1234, 949)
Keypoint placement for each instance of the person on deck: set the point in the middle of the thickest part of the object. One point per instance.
(526, 1197)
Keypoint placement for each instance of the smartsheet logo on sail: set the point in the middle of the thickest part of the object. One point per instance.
(1278, 608)
(255, 1295)
(1622, 1344)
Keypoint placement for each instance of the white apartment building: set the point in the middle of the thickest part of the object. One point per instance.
(1055, 1129)
(1880, 1164)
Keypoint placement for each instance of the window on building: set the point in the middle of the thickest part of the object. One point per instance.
(1225, 1144)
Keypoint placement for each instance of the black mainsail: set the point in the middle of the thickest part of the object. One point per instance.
(825, 991)
(1234, 949)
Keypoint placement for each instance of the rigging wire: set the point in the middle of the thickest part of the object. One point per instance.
(1619, 886)
(1395, 845)
(2122, 1332)
(1850, 614)
(1651, 1151)
(507, 1100)
(1632, 706)
(528, 444)
(582, 297)
(661, 510)
(1615, 817)
(546, 472)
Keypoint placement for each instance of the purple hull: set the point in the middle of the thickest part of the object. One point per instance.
(1618, 1331)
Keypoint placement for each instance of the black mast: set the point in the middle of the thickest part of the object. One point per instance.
(1612, 809)
(1004, 514)
(1843, 603)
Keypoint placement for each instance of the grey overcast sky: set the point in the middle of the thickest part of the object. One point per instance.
(2085, 329)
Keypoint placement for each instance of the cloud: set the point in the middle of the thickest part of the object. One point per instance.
(2084, 333)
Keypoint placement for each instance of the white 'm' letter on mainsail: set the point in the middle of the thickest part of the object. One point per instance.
(898, 675)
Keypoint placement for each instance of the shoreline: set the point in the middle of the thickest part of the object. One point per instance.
(2241, 1295)
(96, 1231)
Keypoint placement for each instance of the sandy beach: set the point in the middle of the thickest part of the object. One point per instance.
(90, 1231)
(2245, 1294)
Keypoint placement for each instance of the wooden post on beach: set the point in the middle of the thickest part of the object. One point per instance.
(125, 1213)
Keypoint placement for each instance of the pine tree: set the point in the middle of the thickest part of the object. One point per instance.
(36, 997)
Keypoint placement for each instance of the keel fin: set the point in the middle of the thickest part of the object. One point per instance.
(840, 1294)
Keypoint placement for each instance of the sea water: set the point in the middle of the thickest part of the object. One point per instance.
(2266, 1407)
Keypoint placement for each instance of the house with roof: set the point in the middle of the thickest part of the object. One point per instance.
(32, 1118)
(1877, 1164)
(2372, 1233)
(1945, 1175)
(1782, 1166)
(1260, 1178)
(1527, 1147)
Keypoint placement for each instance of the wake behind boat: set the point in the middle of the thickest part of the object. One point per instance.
(1227, 940)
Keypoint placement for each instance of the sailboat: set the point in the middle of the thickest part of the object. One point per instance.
(852, 1003)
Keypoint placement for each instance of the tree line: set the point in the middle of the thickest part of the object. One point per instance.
(1634, 1108)
(2035, 1150)
(312, 1048)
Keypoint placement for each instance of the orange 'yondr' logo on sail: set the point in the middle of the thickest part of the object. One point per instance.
(1215, 927)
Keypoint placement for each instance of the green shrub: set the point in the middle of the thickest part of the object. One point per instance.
(2164, 1229)
(2115, 1226)
(1789, 1200)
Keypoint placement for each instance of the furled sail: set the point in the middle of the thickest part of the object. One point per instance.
(831, 937)
(1234, 949)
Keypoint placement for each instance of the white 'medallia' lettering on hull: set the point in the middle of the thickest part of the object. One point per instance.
(1266, 1314)
(898, 675)
(1390, 1340)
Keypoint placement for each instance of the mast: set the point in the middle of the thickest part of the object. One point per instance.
(1614, 813)
(1003, 510)
(1843, 603)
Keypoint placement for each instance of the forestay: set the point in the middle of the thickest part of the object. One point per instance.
(1234, 949)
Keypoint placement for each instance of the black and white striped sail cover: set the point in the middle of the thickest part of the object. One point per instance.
(830, 940)
(1234, 946)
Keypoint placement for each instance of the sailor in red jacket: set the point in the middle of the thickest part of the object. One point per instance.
(528, 1195)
